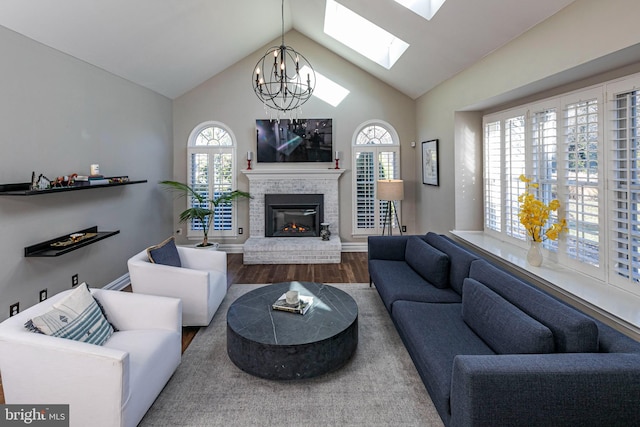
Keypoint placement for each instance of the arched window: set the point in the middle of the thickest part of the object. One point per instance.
(376, 155)
(211, 171)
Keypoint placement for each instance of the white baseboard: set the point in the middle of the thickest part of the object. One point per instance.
(354, 246)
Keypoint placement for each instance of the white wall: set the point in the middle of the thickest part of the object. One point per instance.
(228, 98)
(59, 115)
(582, 37)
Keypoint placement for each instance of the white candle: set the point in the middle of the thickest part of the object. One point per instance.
(249, 155)
(337, 155)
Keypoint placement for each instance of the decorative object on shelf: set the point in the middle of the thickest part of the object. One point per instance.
(534, 215)
(34, 181)
(205, 215)
(430, 162)
(249, 158)
(337, 160)
(325, 233)
(43, 182)
(284, 79)
(68, 243)
(26, 188)
(94, 169)
(390, 190)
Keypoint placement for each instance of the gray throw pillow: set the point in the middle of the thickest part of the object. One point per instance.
(166, 253)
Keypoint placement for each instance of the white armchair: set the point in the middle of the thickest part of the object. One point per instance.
(201, 282)
(109, 385)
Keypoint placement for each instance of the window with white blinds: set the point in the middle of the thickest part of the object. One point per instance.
(376, 155)
(514, 166)
(492, 176)
(624, 187)
(582, 180)
(210, 164)
(556, 143)
(544, 162)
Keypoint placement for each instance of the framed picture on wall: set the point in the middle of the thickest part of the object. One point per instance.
(430, 162)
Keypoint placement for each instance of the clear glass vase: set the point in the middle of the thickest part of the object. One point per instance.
(534, 256)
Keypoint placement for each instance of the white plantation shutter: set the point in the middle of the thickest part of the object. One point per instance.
(376, 155)
(365, 190)
(582, 180)
(544, 125)
(624, 206)
(492, 176)
(514, 166)
(211, 166)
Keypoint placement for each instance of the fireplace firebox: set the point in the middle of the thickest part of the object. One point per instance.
(293, 215)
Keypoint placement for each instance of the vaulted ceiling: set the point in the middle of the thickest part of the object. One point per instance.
(171, 46)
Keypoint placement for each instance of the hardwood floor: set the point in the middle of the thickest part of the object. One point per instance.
(352, 269)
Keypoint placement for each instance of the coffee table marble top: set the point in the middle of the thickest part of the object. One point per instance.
(280, 345)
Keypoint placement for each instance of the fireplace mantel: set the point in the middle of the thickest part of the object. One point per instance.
(259, 249)
(293, 173)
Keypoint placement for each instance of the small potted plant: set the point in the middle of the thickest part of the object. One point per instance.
(203, 214)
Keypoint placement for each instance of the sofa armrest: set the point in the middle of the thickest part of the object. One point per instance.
(387, 247)
(203, 259)
(547, 389)
(65, 371)
(129, 311)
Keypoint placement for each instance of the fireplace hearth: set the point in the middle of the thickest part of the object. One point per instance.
(293, 215)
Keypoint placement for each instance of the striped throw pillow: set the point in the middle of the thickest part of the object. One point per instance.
(76, 317)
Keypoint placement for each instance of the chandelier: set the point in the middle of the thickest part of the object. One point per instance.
(284, 79)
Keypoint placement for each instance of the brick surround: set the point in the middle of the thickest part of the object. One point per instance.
(259, 249)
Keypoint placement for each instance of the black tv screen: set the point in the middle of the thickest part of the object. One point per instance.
(299, 140)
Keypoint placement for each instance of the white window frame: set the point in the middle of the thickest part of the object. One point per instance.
(211, 150)
(376, 150)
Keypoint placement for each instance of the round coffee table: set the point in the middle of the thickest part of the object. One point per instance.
(279, 345)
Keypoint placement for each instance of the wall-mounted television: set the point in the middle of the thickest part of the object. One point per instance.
(295, 140)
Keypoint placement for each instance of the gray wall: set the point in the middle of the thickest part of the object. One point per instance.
(59, 115)
(585, 39)
(228, 98)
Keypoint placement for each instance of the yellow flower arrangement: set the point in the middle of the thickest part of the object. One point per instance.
(534, 214)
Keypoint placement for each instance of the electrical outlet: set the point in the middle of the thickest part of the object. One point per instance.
(14, 309)
(240, 230)
(43, 295)
(404, 228)
(179, 231)
(74, 280)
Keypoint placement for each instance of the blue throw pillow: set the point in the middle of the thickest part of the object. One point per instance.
(500, 324)
(165, 253)
(428, 262)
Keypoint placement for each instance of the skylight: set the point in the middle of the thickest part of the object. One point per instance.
(362, 35)
(326, 89)
(425, 8)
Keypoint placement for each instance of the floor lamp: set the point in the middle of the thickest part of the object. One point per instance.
(390, 190)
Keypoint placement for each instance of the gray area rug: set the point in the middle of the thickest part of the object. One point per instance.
(379, 386)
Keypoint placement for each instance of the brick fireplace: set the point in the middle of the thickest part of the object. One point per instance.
(260, 249)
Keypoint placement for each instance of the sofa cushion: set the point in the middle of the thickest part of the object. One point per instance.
(505, 328)
(573, 332)
(165, 253)
(77, 317)
(428, 262)
(460, 259)
(395, 280)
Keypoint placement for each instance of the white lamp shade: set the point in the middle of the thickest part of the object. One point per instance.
(390, 189)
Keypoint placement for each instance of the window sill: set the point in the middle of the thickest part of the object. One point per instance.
(612, 305)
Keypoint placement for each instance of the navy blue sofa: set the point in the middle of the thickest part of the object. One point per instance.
(493, 350)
